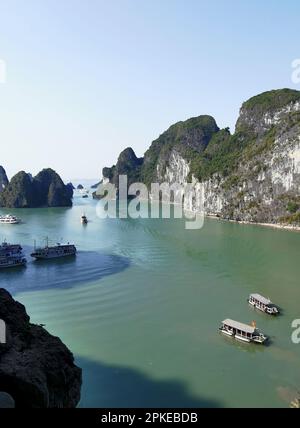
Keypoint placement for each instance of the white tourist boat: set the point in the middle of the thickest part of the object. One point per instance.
(9, 219)
(54, 251)
(263, 304)
(11, 255)
(244, 332)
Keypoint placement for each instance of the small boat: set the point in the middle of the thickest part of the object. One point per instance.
(243, 332)
(263, 304)
(9, 219)
(53, 252)
(11, 255)
(84, 219)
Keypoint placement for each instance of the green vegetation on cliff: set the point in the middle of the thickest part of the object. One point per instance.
(272, 100)
(189, 138)
(247, 173)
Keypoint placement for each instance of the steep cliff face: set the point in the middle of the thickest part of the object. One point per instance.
(128, 164)
(3, 179)
(252, 175)
(51, 190)
(46, 189)
(259, 179)
(19, 192)
(36, 369)
(191, 136)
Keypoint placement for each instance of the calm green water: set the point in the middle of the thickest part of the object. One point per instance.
(141, 304)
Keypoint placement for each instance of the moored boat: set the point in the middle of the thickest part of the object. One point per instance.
(263, 304)
(243, 332)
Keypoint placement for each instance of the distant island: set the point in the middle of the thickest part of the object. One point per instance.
(252, 175)
(46, 189)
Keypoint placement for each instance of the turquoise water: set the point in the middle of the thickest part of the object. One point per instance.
(141, 304)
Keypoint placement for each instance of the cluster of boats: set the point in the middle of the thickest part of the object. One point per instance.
(12, 255)
(245, 332)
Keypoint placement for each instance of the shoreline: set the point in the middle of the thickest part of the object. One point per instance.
(278, 226)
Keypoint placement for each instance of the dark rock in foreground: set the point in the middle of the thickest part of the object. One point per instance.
(36, 368)
(6, 401)
(46, 189)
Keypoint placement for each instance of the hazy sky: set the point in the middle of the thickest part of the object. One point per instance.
(86, 79)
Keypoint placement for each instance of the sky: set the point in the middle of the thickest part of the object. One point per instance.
(86, 79)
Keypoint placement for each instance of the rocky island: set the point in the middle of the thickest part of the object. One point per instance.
(3, 179)
(252, 175)
(36, 368)
(46, 189)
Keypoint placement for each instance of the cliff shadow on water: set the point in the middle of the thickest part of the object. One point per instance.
(125, 387)
(85, 267)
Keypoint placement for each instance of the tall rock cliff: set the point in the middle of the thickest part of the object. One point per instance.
(128, 164)
(36, 368)
(252, 175)
(3, 179)
(46, 189)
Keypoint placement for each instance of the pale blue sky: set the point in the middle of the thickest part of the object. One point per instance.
(86, 79)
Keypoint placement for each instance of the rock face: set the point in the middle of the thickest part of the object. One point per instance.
(3, 179)
(128, 164)
(252, 175)
(36, 368)
(46, 189)
(70, 190)
(191, 136)
(80, 187)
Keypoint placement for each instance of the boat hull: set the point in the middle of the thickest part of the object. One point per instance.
(228, 333)
(51, 256)
(242, 338)
(13, 265)
(264, 310)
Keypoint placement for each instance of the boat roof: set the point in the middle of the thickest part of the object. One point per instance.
(239, 326)
(54, 247)
(260, 298)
